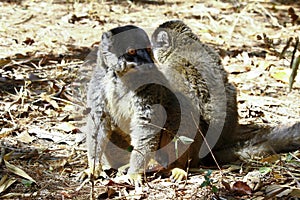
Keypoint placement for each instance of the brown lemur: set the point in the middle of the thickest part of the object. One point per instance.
(195, 70)
(131, 104)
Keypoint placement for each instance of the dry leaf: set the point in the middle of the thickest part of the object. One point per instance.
(293, 15)
(283, 75)
(28, 41)
(66, 194)
(242, 188)
(295, 192)
(13, 195)
(234, 69)
(5, 183)
(68, 107)
(18, 171)
(55, 136)
(257, 72)
(25, 137)
(4, 62)
(280, 190)
(66, 126)
(47, 98)
(7, 131)
(271, 159)
(277, 175)
(226, 185)
(253, 179)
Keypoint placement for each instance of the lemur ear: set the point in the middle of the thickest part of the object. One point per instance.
(105, 50)
(162, 39)
(106, 41)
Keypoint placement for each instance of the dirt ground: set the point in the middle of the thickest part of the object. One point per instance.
(44, 45)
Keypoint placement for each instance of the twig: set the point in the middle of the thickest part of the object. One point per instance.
(293, 75)
(274, 20)
(295, 179)
(295, 157)
(236, 21)
(206, 143)
(24, 20)
(294, 51)
(288, 44)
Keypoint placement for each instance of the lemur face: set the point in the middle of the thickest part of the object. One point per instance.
(126, 48)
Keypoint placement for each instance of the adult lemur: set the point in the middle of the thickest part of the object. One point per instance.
(132, 105)
(195, 69)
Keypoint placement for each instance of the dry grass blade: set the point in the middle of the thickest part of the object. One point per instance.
(18, 171)
(295, 68)
(19, 195)
(5, 183)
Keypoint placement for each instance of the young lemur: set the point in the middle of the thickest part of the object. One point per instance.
(132, 105)
(195, 69)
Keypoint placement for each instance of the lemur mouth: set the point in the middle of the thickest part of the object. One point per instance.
(131, 70)
(128, 71)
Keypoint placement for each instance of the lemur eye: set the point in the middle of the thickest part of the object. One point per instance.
(131, 51)
(149, 49)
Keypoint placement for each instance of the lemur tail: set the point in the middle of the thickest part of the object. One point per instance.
(261, 141)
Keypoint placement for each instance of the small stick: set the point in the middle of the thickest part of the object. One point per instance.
(294, 52)
(288, 44)
(206, 143)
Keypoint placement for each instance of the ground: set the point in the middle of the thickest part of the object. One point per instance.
(44, 45)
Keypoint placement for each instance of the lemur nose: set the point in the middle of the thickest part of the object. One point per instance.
(131, 65)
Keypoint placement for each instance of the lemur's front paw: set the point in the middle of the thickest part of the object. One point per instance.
(178, 174)
(135, 179)
(91, 173)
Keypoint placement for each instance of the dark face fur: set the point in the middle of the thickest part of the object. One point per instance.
(126, 48)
